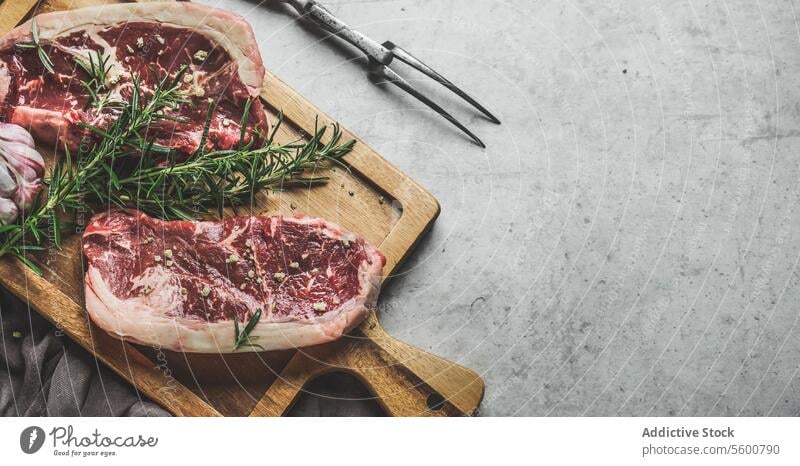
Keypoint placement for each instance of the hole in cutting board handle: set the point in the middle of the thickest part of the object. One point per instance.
(435, 401)
(336, 394)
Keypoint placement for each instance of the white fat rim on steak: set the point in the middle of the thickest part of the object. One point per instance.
(227, 30)
(139, 323)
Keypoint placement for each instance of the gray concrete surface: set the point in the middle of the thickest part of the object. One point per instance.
(628, 243)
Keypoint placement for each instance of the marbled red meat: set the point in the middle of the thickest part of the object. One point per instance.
(180, 285)
(149, 41)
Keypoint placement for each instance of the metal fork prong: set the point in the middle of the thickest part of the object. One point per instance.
(404, 56)
(386, 73)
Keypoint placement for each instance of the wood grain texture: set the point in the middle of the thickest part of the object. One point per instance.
(13, 11)
(373, 199)
(405, 380)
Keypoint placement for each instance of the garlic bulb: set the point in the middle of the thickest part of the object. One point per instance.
(21, 172)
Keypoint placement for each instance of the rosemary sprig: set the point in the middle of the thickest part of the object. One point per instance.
(98, 69)
(243, 339)
(189, 189)
(36, 44)
(139, 113)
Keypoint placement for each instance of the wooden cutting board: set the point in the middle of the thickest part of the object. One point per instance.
(374, 199)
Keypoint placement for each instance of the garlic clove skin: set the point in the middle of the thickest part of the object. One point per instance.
(26, 193)
(8, 211)
(8, 182)
(15, 134)
(25, 161)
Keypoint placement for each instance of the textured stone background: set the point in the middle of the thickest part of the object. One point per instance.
(628, 243)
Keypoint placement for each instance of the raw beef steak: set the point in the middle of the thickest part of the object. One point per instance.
(179, 285)
(148, 40)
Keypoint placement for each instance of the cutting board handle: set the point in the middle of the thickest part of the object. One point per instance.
(405, 380)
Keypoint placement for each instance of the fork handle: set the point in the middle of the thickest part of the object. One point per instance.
(329, 21)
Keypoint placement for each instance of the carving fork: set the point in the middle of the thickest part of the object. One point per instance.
(381, 55)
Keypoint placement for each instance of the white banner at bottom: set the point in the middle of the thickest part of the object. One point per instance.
(387, 441)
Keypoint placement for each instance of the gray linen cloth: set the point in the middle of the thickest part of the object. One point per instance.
(44, 373)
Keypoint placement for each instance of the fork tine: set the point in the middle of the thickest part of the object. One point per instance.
(404, 56)
(394, 78)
